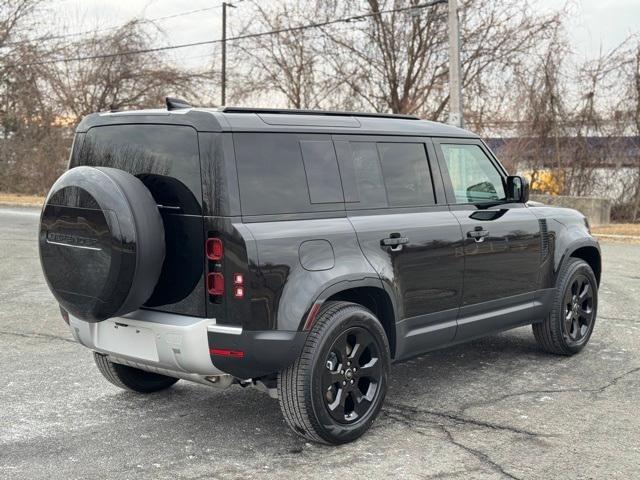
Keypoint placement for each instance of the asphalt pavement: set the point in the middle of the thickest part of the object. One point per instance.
(495, 408)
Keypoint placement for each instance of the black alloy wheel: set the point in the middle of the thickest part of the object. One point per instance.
(352, 376)
(569, 325)
(578, 310)
(335, 389)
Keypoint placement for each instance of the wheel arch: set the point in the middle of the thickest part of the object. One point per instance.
(370, 294)
(591, 255)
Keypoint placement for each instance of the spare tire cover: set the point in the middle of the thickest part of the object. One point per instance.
(101, 242)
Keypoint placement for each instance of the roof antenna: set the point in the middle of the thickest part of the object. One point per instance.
(176, 103)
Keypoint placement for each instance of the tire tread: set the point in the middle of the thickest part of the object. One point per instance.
(293, 383)
(548, 333)
(122, 376)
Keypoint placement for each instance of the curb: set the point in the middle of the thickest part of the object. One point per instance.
(612, 236)
(21, 205)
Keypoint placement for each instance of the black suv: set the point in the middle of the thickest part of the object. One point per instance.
(301, 252)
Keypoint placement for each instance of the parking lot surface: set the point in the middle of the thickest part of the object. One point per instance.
(494, 408)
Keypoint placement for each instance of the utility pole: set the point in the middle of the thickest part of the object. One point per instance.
(223, 70)
(455, 81)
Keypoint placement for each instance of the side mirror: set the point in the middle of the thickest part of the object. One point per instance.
(517, 189)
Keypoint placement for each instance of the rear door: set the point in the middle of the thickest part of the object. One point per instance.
(502, 247)
(406, 232)
(166, 159)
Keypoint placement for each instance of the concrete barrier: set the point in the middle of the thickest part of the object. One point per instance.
(597, 210)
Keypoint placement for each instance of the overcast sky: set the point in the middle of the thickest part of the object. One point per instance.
(594, 24)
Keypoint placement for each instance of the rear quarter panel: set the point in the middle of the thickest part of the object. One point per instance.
(282, 288)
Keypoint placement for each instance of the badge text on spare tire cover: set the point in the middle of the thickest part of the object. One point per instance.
(101, 242)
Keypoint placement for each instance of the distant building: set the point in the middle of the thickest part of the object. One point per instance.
(594, 166)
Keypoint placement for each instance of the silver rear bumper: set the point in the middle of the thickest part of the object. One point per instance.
(165, 343)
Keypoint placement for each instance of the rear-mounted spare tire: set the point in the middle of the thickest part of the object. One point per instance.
(101, 242)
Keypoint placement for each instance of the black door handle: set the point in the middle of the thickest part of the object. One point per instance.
(395, 241)
(478, 234)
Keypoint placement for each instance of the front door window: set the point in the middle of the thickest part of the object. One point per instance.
(473, 175)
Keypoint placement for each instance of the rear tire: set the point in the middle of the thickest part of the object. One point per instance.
(335, 389)
(568, 327)
(130, 378)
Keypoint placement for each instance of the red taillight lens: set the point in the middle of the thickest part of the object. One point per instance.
(215, 284)
(224, 352)
(214, 249)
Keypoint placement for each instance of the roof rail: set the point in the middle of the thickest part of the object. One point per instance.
(291, 111)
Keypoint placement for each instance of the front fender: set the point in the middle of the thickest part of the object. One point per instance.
(572, 235)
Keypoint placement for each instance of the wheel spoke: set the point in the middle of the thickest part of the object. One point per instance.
(575, 328)
(342, 349)
(337, 406)
(361, 402)
(370, 370)
(575, 287)
(585, 293)
(363, 340)
(586, 313)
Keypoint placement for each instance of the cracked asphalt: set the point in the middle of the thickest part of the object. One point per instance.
(495, 408)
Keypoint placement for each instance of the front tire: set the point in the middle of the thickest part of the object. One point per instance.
(335, 389)
(568, 327)
(129, 378)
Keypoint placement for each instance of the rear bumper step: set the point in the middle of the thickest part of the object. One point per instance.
(192, 348)
(174, 345)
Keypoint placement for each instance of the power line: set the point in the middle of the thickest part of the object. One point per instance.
(115, 27)
(238, 37)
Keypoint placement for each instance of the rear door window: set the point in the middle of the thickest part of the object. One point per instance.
(164, 157)
(406, 174)
(385, 174)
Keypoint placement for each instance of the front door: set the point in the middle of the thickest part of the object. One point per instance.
(502, 244)
(406, 232)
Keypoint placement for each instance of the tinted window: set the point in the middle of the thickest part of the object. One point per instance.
(322, 171)
(406, 174)
(368, 175)
(378, 175)
(164, 157)
(272, 175)
(474, 177)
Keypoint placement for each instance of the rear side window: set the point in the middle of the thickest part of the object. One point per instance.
(286, 173)
(385, 174)
(164, 157)
(320, 165)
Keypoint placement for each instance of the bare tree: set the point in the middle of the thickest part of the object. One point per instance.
(110, 77)
(288, 63)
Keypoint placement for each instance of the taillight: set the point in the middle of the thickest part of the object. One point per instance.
(238, 285)
(214, 249)
(215, 284)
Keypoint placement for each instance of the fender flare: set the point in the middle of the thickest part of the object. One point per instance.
(571, 248)
(357, 282)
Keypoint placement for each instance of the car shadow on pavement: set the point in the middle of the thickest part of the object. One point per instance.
(207, 416)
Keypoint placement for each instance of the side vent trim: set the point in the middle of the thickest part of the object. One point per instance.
(544, 238)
